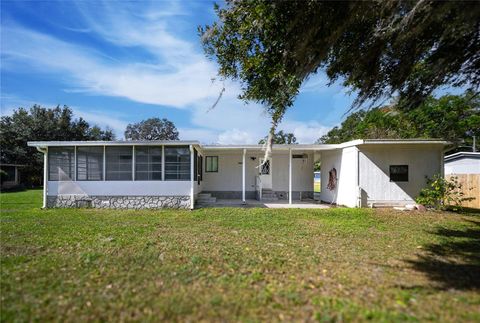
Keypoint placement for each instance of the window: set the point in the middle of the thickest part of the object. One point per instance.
(148, 163)
(265, 169)
(195, 165)
(398, 173)
(177, 163)
(200, 168)
(61, 163)
(211, 164)
(89, 163)
(119, 163)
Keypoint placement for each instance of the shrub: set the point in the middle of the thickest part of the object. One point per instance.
(441, 193)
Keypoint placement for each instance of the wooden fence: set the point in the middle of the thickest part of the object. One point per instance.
(470, 187)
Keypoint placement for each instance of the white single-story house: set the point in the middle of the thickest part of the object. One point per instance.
(155, 174)
(462, 163)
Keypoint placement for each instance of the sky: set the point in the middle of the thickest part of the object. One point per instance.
(116, 63)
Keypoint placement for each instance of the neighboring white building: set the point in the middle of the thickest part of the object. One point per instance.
(154, 174)
(462, 163)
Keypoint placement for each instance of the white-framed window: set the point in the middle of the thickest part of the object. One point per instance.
(61, 163)
(119, 163)
(89, 163)
(148, 163)
(211, 164)
(265, 168)
(398, 173)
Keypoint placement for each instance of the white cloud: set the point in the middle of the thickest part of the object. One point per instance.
(305, 132)
(103, 120)
(236, 136)
(176, 73)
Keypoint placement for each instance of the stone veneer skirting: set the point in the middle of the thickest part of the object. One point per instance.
(119, 202)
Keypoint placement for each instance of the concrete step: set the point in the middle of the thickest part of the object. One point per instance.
(206, 200)
(269, 199)
(204, 195)
(269, 195)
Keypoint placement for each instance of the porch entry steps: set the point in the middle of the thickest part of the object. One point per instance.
(269, 195)
(205, 199)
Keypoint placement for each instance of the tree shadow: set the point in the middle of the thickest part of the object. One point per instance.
(454, 262)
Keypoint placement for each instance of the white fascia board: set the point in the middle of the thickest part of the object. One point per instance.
(274, 147)
(114, 143)
(405, 141)
(461, 155)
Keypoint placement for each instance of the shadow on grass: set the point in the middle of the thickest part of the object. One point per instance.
(454, 262)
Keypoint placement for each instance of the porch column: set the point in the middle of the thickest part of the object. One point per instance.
(290, 176)
(243, 175)
(192, 194)
(45, 177)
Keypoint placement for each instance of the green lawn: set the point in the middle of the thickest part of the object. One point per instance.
(236, 264)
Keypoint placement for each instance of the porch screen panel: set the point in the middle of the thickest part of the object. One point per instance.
(89, 163)
(119, 163)
(61, 163)
(177, 163)
(148, 163)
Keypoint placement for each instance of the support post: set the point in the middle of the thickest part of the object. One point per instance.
(290, 176)
(45, 177)
(192, 194)
(243, 175)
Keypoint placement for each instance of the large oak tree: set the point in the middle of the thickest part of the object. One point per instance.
(376, 48)
(38, 124)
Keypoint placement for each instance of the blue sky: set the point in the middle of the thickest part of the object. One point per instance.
(116, 63)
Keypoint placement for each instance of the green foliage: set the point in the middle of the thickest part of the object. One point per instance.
(152, 129)
(451, 117)
(377, 48)
(441, 193)
(40, 123)
(281, 138)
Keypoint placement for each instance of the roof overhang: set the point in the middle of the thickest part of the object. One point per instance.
(45, 144)
(42, 145)
(462, 154)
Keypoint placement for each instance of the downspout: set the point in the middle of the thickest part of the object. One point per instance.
(359, 189)
(44, 151)
(290, 176)
(192, 195)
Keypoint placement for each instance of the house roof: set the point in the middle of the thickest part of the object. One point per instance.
(43, 144)
(461, 155)
(358, 142)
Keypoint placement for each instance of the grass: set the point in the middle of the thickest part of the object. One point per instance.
(316, 187)
(236, 264)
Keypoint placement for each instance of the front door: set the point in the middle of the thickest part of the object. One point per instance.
(265, 173)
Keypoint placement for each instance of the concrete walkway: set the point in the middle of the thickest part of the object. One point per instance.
(281, 204)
